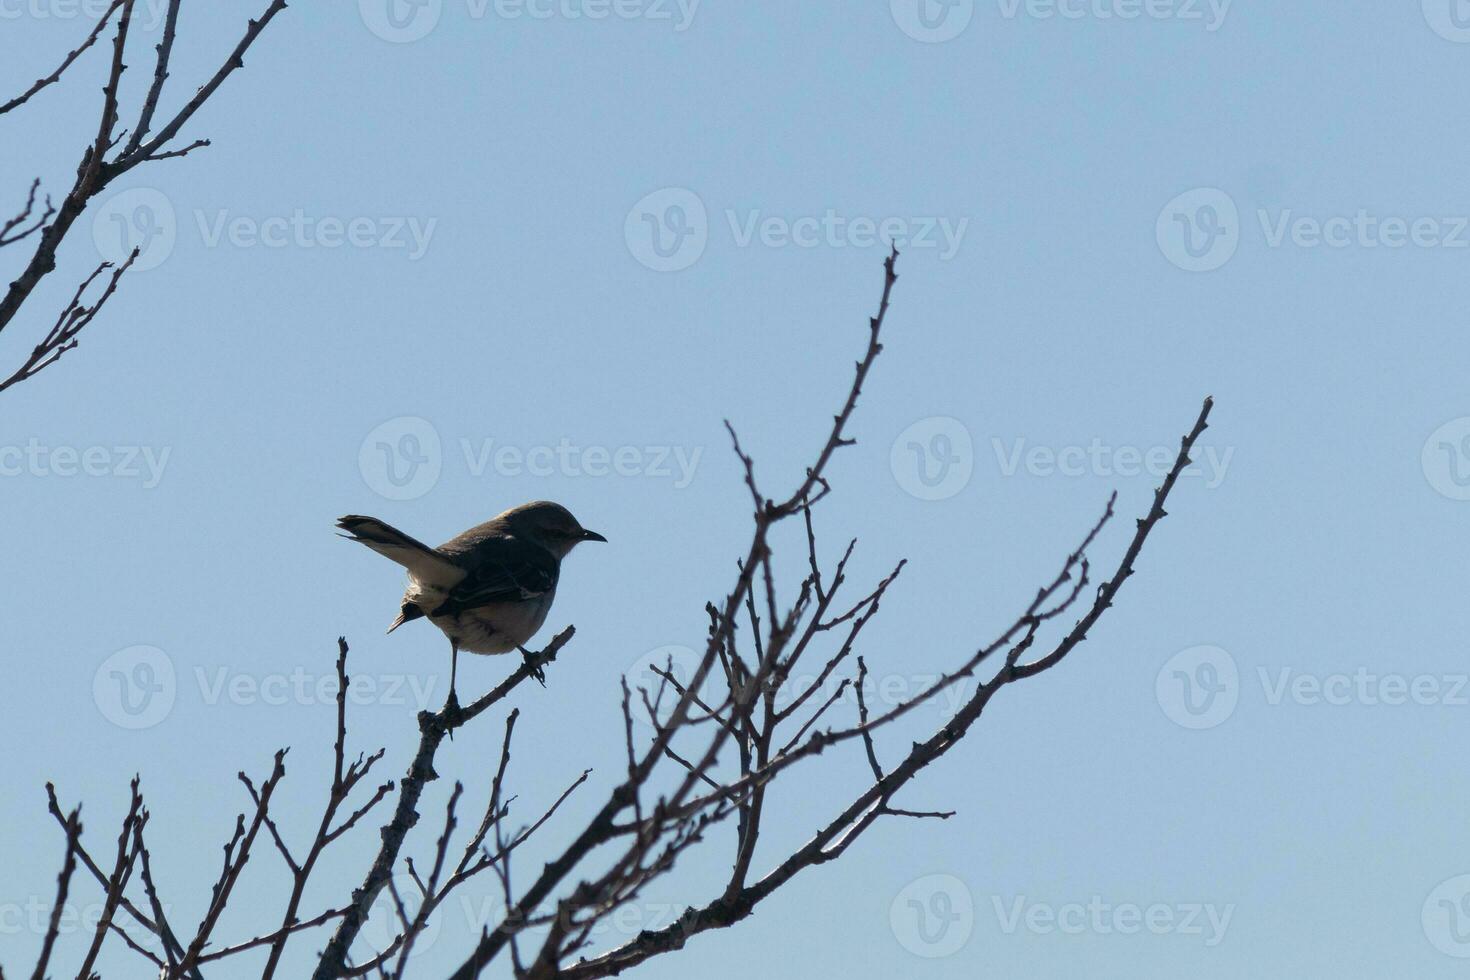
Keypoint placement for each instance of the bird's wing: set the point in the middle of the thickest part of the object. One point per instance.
(504, 570)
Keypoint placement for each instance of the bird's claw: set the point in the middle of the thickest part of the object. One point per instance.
(536, 670)
(452, 713)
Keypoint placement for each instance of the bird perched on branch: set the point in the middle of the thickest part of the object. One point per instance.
(488, 589)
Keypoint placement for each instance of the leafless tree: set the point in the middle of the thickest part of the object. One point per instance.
(672, 794)
(108, 154)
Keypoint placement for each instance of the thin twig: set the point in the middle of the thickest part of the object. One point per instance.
(66, 62)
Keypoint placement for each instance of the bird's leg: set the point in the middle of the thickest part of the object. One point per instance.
(453, 669)
(536, 672)
(451, 706)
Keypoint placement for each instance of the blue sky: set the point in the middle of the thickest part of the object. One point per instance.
(472, 254)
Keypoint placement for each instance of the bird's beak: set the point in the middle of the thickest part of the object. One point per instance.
(593, 536)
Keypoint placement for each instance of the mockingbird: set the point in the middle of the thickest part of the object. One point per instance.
(488, 589)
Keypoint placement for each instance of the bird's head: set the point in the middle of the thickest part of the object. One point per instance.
(548, 524)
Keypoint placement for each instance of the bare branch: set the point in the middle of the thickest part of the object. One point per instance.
(73, 828)
(160, 75)
(832, 840)
(165, 932)
(863, 722)
(8, 233)
(94, 171)
(345, 777)
(673, 791)
(63, 334)
(273, 938)
(54, 807)
(117, 881)
(171, 129)
(687, 827)
(237, 853)
(66, 62)
(432, 729)
(181, 151)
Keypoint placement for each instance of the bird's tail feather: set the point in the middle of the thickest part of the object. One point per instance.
(422, 562)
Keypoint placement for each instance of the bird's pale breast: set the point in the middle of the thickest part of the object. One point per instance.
(498, 627)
